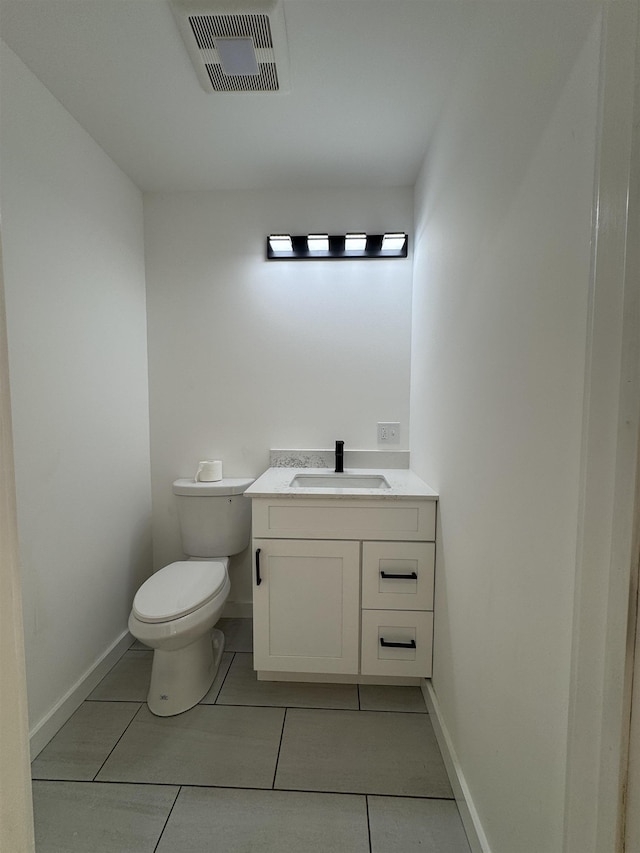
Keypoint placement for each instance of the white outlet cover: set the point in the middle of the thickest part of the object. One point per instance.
(389, 433)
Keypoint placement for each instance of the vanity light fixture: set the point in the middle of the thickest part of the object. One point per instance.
(318, 242)
(355, 242)
(353, 246)
(393, 242)
(281, 244)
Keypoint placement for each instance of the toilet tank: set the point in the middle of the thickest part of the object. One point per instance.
(215, 518)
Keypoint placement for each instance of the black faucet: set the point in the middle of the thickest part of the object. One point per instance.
(339, 457)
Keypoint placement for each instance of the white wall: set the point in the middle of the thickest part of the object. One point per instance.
(246, 354)
(75, 293)
(502, 265)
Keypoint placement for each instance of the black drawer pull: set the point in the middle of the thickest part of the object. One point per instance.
(409, 645)
(411, 577)
(258, 578)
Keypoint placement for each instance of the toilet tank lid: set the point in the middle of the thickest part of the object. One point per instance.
(178, 589)
(227, 486)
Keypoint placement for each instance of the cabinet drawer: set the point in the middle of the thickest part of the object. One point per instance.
(397, 575)
(382, 629)
(308, 518)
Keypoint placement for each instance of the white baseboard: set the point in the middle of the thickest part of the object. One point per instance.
(470, 820)
(238, 610)
(51, 723)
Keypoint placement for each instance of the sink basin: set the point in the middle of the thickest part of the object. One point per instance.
(339, 481)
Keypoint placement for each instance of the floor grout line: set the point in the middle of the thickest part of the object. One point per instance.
(117, 742)
(258, 705)
(275, 769)
(200, 786)
(366, 805)
(167, 820)
(226, 675)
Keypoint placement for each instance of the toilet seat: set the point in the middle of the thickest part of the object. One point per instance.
(178, 589)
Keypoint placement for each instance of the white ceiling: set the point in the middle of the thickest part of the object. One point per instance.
(369, 81)
(368, 78)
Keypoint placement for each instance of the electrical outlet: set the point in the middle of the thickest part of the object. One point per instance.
(389, 433)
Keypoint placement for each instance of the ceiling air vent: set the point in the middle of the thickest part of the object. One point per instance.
(235, 48)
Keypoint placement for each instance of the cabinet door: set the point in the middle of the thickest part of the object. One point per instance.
(306, 608)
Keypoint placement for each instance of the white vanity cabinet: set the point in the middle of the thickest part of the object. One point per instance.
(343, 587)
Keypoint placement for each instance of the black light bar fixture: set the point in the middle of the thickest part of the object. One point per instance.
(336, 247)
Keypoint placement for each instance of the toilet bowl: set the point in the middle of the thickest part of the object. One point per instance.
(174, 612)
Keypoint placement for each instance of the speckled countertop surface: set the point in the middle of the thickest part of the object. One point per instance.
(403, 484)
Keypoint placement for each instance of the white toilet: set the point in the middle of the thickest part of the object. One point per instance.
(175, 610)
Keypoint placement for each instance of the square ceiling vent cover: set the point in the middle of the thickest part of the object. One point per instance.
(234, 47)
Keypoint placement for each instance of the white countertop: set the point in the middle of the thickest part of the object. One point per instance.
(404, 484)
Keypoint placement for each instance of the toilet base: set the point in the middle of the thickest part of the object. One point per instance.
(180, 678)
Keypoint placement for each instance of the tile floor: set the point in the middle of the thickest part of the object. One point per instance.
(256, 766)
